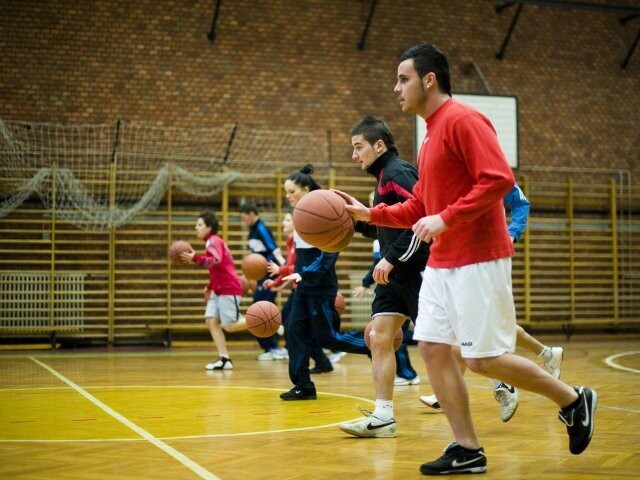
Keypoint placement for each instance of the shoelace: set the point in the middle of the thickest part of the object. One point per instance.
(366, 413)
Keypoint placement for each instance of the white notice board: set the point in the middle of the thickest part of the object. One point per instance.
(503, 113)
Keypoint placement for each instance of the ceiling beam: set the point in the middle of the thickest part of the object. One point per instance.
(512, 26)
(626, 14)
(363, 37)
(617, 9)
(212, 32)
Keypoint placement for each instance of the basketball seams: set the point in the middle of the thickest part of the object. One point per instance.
(176, 248)
(322, 220)
(263, 318)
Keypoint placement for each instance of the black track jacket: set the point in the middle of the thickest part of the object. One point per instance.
(395, 181)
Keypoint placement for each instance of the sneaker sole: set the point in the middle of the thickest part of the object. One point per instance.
(358, 434)
(217, 368)
(428, 471)
(294, 399)
(407, 383)
(505, 420)
(432, 408)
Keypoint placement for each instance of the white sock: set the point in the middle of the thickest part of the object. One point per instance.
(384, 409)
(545, 354)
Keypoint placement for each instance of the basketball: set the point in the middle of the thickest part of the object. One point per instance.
(248, 286)
(340, 304)
(263, 319)
(176, 248)
(341, 245)
(254, 266)
(397, 340)
(322, 220)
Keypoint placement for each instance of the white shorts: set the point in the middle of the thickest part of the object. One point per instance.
(225, 308)
(471, 306)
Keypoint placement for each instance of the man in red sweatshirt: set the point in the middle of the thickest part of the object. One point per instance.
(466, 296)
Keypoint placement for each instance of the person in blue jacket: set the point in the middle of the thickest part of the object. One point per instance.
(261, 241)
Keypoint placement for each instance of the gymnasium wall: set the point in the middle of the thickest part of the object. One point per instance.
(295, 65)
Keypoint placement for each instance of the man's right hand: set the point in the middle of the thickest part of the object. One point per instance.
(354, 207)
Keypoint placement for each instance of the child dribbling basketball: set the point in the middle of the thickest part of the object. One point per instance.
(223, 291)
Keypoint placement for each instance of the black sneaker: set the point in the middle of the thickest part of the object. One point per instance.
(456, 459)
(317, 369)
(296, 394)
(579, 420)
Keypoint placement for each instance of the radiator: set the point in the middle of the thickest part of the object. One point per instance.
(25, 300)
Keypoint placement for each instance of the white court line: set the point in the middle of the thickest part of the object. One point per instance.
(183, 459)
(610, 361)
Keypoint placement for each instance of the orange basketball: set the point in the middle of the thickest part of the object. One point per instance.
(340, 303)
(254, 266)
(176, 248)
(322, 220)
(397, 340)
(341, 245)
(248, 286)
(263, 319)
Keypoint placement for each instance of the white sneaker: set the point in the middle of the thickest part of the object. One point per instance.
(553, 365)
(335, 357)
(401, 381)
(222, 364)
(507, 397)
(280, 353)
(280, 330)
(431, 401)
(265, 356)
(370, 426)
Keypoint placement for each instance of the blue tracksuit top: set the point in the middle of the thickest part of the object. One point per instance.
(519, 206)
(317, 269)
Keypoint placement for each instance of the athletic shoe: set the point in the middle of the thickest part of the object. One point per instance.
(296, 394)
(401, 381)
(280, 330)
(370, 426)
(553, 365)
(579, 420)
(265, 356)
(456, 459)
(507, 397)
(336, 356)
(317, 369)
(280, 353)
(431, 401)
(222, 364)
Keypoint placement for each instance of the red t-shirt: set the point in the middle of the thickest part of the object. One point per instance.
(463, 176)
(287, 268)
(223, 279)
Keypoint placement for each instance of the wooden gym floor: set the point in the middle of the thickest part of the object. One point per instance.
(152, 413)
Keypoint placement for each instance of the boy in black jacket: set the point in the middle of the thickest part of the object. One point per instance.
(398, 273)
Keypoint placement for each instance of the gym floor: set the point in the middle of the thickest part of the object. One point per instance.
(148, 412)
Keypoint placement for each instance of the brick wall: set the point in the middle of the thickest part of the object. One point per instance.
(294, 64)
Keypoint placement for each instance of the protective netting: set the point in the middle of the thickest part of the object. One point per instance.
(100, 177)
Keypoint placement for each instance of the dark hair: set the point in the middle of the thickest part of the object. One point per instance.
(303, 178)
(373, 129)
(428, 58)
(210, 220)
(249, 207)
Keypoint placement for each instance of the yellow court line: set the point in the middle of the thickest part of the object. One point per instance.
(172, 452)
